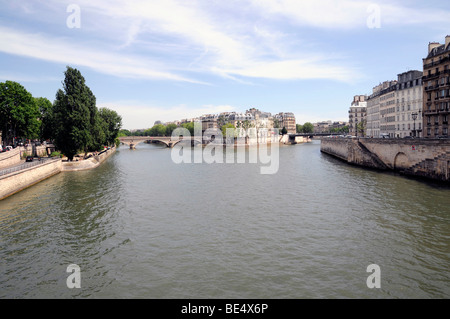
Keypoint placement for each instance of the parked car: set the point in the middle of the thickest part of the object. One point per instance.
(32, 158)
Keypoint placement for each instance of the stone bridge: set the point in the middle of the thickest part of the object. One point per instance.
(170, 142)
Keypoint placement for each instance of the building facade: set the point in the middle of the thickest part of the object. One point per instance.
(357, 115)
(409, 104)
(436, 94)
(287, 120)
(373, 113)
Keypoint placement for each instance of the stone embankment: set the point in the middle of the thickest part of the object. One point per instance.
(429, 158)
(89, 163)
(15, 178)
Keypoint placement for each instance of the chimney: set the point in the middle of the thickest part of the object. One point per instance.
(447, 41)
(433, 45)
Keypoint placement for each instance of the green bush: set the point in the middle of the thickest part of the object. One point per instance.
(56, 154)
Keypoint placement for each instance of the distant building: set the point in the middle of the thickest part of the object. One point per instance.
(436, 93)
(209, 121)
(287, 120)
(242, 120)
(357, 114)
(322, 127)
(262, 119)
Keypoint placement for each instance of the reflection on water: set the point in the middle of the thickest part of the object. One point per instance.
(140, 226)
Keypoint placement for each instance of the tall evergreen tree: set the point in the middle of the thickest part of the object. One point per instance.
(75, 115)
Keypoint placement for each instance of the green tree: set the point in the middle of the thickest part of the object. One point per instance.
(75, 115)
(18, 113)
(299, 128)
(276, 123)
(170, 128)
(157, 130)
(112, 122)
(284, 131)
(361, 128)
(124, 132)
(225, 127)
(308, 128)
(46, 116)
(189, 126)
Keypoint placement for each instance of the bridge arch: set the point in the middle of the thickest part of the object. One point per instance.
(401, 162)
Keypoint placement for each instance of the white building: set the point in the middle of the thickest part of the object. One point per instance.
(357, 114)
(409, 104)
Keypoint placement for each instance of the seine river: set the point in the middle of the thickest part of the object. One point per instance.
(141, 226)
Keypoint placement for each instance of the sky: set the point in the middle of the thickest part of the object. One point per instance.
(170, 60)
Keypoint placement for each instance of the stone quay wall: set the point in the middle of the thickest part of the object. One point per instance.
(24, 178)
(429, 158)
(9, 158)
(87, 163)
(17, 181)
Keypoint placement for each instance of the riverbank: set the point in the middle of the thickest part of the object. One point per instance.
(86, 164)
(20, 179)
(425, 158)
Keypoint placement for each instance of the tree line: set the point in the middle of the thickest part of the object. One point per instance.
(72, 122)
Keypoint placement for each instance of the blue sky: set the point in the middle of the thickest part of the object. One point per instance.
(169, 60)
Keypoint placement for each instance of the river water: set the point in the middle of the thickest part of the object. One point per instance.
(141, 226)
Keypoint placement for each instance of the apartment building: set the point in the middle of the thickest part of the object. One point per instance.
(409, 104)
(388, 108)
(436, 93)
(357, 115)
(287, 120)
(381, 110)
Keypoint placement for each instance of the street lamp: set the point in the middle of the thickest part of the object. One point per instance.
(414, 116)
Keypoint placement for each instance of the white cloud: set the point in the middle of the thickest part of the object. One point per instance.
(59, 50)
(16, 77)
(191, 37)
(348, 14)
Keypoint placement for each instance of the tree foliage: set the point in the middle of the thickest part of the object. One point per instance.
(77, 123)
(19, 113)
(225, 127)
(46, 115)
(308, 128)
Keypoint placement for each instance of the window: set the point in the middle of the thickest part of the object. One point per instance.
(429, 131)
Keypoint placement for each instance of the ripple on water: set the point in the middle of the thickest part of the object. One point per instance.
(141, 226)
